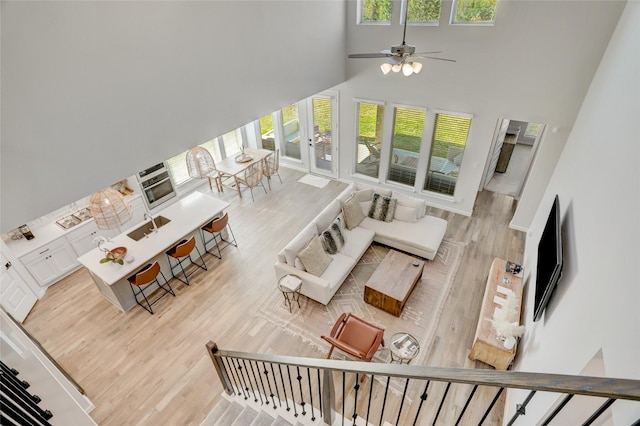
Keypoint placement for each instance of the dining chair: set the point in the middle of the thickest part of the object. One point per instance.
(252, 177)
(271, 166)
(145, 278)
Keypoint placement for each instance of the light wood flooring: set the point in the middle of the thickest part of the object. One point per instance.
(139, 368)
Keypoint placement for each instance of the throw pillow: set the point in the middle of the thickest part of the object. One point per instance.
(364, 195)
(420, 205)
(331, 238)
(382, 208)
(352, 212)
(406, 214)
(314, 258)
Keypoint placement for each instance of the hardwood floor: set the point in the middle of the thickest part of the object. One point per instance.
(139, 368)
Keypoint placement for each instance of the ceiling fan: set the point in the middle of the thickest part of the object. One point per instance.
(400, 56)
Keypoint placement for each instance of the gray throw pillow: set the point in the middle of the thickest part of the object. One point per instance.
(331, 238)
(352, 212)
(382, 208)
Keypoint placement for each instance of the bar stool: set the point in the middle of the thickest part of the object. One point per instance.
(143, 279)
(215, 227)
(180, 253)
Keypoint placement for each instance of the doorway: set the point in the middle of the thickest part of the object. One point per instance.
(321, 134)
(512, 153)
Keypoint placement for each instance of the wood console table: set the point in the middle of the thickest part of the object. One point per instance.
(486, 346)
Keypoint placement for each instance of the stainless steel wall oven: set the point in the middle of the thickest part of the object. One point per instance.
(156, 184)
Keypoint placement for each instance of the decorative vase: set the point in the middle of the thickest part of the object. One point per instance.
(509, 342)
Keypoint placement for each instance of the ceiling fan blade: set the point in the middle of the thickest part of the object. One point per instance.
(369, 55)
(437, 59)
(427, 53)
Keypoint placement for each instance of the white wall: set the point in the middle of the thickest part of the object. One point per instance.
(560, 43)
(595, 306)
(94, 91)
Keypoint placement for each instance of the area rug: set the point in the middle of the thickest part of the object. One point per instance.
(419, 317)
(317, 181)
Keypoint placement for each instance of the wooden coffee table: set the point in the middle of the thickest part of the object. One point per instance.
(393, 281)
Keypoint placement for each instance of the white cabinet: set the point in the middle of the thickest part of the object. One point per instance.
(82, 239)
(51, 262)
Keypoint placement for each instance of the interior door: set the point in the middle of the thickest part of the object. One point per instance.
(15, 296)
(497, 147)
(322, 141)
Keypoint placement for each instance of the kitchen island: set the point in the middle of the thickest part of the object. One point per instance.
(186, 217)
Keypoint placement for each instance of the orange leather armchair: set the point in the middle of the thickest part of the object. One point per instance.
(355, 336)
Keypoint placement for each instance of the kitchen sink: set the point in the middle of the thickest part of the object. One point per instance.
(147, 228)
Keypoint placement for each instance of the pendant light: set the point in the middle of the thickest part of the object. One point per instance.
(109, 209)
(200, 163)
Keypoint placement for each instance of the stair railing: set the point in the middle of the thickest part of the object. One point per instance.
(305, 387)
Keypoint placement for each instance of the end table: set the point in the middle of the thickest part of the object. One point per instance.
(290, 286)
(404, 347)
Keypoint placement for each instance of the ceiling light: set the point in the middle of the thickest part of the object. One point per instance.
(386, 67)
(396, 67)
(109, 209)
(407, 69)
(417, 66)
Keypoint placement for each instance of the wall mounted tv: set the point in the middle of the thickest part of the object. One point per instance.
(549, 260)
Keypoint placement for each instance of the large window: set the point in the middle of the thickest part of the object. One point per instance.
(408, 124)
(178, 168)
(291, 131)
(422, 11)
(473, 12)
(232, 142)
(447, 148)
(369, 139)
(266, 132)
(374, 11)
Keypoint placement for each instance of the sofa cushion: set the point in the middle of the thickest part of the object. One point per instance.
(338, 270)
(327, 215)
(382, 208)
(331, 238)
(352, 212)
(406, 214)
(424, 235)
(314, 258)
(365, 206)
(364, 194)
(420, 205)
(300, 241)
(384, 191)
(357, 241)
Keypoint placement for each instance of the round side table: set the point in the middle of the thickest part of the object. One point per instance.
(290, 286)
(404, 347)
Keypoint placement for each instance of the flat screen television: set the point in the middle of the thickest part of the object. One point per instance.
(550, 260)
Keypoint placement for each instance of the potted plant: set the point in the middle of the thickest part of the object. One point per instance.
(115, 255)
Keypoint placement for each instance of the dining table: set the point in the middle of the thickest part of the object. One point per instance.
(233, 166)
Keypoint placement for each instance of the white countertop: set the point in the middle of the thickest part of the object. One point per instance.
(46, 233)
(186, 215)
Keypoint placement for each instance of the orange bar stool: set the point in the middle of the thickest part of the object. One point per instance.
(215, 228)
(146, 277)
(180, 253)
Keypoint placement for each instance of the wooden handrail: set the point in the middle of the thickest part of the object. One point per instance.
(580, 385)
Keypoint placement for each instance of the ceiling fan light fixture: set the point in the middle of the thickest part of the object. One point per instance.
(407, 69)
(396, 67)
(385, 67)
(417, 66)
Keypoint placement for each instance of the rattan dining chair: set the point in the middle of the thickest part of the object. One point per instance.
(271, 166)
(252, 177)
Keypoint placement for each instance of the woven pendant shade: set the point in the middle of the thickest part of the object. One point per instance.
(200, 162)
(109, 209)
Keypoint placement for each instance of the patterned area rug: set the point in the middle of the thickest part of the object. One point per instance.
(419, 318)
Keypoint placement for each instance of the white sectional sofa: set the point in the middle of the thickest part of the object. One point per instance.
(410, 230)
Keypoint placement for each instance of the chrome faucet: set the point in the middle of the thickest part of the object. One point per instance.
(153, 222)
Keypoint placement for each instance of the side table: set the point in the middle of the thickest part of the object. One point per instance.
(290, 286)
(404, 347)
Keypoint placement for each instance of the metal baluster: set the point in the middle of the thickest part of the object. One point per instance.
(466, 404)
(299, 379)
(245, 389)
(257, 384)
(225, 363)
(366, 420)
(444, 396)
(275, 383)
(423, 398)
(319, 390)
(384, 400)
(520, 410)
(313, 416)
(404, 394)
(284, 388)
(355, 399)
(246, 371)
(599, 412)
(293, 397)
(493, 402)
(343, 396)
(266, 377)
(559, 408)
